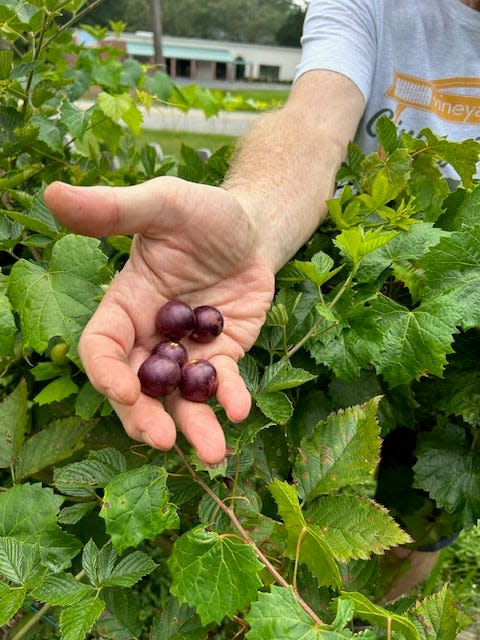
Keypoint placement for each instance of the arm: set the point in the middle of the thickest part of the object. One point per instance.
(209, 245)
(284, 169)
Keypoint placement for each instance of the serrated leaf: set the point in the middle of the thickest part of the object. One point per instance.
(459, 491)
(78, 620)
(355, 243)
(19, 561)
(277, 614)
(129, 570)
(49, 132)
(386, 133)
(343, 450)
(216, 575)
(415, 342)
(56, 442)
(75, 512)
(354, 526)
(177, 622)
(13, 423)
(37, 218)
(62, 589)
(305, 542)
(84, 477)
(463, 156)
(122, 619)
(28, 513)
(11, 599)
(437, 617)
(275, 405)
(282, 375)
(8, 327)
(121, 107)
(60, 300)
(381, 617)
(136, 507)
(76, 120)
(56, 391)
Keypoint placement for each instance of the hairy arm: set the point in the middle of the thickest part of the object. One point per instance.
(284, 168)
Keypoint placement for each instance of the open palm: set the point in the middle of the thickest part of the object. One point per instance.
(192, 243)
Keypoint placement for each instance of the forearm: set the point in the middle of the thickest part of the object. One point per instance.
(284, 169)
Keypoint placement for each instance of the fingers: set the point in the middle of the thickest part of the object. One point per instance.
(101, 210)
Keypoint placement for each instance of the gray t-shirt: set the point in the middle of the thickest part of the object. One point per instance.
(417, 61)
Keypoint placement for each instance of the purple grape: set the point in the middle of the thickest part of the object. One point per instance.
(208, 323)
(175, 320)
(171, 349)
(159, 376)
(199, 380)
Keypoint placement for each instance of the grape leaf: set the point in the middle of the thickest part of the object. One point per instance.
(275, 405)
(305, 542)
(8, 328)
(381, 617)
(82, 478)
(214, 574)
(11, 599)
(277, 614)
(453, 266)
(56, 442)
(355, 527)
(122, 618)
(458, 490)
(58, 301)
(177, 622)
(76, 621)
(437, 616)
(415, 342)
(13, 423)
(463, 155)
(136, 507)
(343, 450)
(459, 395)
(28, 512)
(62, 589)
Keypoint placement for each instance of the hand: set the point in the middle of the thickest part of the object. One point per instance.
(193, 243)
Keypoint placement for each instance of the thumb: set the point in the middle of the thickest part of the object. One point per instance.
(102, 210)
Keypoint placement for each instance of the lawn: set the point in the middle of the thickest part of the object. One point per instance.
(171, 141)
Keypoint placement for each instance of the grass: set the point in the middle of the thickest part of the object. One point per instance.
(171, 141)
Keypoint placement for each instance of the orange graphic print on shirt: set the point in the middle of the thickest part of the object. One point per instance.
(452, 99)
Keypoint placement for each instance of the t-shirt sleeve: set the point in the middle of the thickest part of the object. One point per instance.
(342, 36)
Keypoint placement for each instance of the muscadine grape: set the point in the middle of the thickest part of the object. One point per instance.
(208, 323)
(198, 381)
(175, 320)
(171, 349)
(159, 376)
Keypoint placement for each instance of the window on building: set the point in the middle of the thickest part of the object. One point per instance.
(269, 73)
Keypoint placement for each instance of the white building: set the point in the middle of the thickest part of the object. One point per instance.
(207, 60)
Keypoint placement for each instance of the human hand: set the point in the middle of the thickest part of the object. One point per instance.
(193, 243)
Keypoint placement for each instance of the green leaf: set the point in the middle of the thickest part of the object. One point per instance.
(415, 342)
(56, 442)
(437, 616)
(56, 391)
(75, 512)
(8, 328)
(76, 621)
(459, 492)
(37, 218)
(28, 512)
(277, 614)
(60, 300)
(343, 450)
(354, 526)
(305, 542)
(11, 599)
(63, 590)
(121, 107)
(13, 424)
(129, 570)
(177, 622)
(84, 477)
(282, 375)
(49, 132)
(215, 574)
(75, 119)
(123, 618)
(387, 135)
(20, 562)
(462, 156)
(319, 270)
(275, 405)
(355, 243)
(135, 507)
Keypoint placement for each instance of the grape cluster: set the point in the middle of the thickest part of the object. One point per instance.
(168, 366)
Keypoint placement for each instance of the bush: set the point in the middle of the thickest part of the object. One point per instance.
(373, 332)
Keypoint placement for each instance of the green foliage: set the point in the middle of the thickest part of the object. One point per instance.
(373, 333)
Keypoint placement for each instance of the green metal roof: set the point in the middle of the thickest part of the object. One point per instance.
(181, 52)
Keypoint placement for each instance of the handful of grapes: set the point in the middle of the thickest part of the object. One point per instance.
(168, 366)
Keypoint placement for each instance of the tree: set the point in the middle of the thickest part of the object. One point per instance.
(290, 31)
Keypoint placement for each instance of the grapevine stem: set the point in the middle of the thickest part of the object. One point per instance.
(279, 579)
